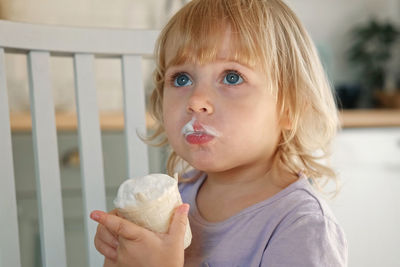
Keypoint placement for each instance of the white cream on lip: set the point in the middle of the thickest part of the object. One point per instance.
(189, 129)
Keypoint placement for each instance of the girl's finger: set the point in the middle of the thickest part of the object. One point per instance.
(117, 225)
(105, 249)
(106, 236)
(178, 225)
(114, 212)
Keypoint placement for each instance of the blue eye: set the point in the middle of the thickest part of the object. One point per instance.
(182, 80)
(232, 78)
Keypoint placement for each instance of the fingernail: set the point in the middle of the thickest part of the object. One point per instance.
(116, 243)
(94, 216)
(184, 209)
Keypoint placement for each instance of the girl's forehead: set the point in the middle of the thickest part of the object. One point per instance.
(224, 48)
(177, 53)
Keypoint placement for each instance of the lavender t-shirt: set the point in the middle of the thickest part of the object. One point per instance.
(294, 228)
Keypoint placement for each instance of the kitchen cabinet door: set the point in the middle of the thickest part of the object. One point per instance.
(368, 205)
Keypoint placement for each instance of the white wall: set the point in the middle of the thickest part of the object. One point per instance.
(329, 23)
(91, 13)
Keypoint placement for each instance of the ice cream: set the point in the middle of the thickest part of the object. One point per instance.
(150, 202)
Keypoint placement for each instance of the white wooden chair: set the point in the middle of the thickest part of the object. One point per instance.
(39, 43)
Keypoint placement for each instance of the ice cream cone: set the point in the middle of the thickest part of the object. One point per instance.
(152, 205)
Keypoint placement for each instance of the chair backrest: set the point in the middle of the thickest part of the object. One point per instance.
(39, 43)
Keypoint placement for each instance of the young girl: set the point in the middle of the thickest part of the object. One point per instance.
(242, 98)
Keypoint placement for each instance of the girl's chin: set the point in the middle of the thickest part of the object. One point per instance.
(206, 166)
(203, 159)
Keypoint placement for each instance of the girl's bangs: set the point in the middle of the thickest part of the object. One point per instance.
(202, 41)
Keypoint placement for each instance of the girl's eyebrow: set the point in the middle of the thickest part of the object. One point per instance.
(174, 68)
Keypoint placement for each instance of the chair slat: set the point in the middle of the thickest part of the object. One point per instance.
(134, 113)
(69, 40)
(90, 149)
(46, 161)
(9, 241)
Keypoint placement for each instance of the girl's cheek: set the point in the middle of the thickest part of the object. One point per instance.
(169, 102)
(172, 98)
(171, 119)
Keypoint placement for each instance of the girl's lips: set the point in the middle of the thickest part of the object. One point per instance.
(196, 133)
(198, 138)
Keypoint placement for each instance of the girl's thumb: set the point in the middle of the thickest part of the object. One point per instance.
(179, 222)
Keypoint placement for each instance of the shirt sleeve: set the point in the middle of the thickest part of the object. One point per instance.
(311, 240)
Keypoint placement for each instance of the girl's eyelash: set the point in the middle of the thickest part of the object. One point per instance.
(172, 78)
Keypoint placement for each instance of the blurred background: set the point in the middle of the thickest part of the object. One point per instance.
(359, 45)
(357, 40)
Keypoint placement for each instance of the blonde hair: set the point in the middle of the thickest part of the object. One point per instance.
(264, 33)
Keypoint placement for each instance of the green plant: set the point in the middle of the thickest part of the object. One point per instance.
(371, 49)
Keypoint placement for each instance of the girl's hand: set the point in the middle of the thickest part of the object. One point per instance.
(139, 246)
(106, 242)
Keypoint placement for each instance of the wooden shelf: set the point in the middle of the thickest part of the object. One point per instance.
(114, 121)
(370, 118)
(68, 121)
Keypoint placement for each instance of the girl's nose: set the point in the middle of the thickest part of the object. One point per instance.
(199, 102)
